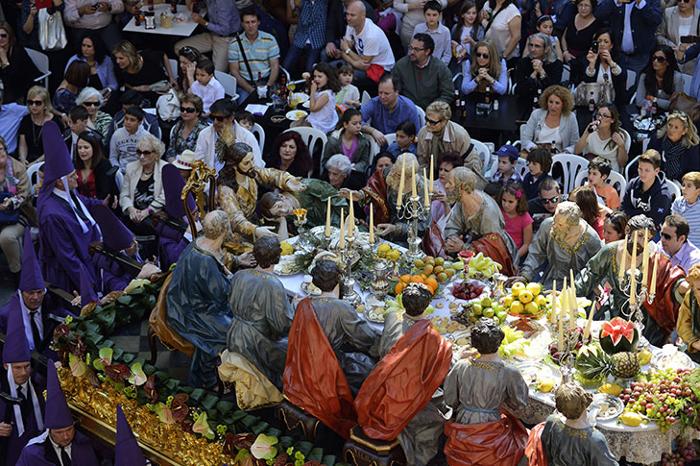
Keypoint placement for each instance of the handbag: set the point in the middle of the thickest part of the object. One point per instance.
(168, 106)
(10, 216)
(601, 94)
(682, 102)
(52, 33)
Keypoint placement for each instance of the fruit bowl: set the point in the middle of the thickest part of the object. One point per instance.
(469, 289)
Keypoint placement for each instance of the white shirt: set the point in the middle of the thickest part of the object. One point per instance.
(372, 42)
(627, 40)
(548, 135)
(206, 146)
(684, 25)
(325, 119)
(209, 94)
(27, 323)
(57, 449)
(499, 32)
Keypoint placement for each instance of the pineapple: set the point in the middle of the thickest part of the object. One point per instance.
(592, 363)
(625, 365)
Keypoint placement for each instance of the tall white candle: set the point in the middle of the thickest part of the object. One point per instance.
(341, 239)
(402, 181)
(425, 191)
(327, 231)
(371, 224)
(430, 185)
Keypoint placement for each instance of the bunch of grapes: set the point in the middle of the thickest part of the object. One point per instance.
(665, 398)
(684, 455)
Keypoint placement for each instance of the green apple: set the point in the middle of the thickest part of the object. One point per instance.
(488, 312)
(476, 309)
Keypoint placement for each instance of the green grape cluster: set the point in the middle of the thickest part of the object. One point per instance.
(482, 266)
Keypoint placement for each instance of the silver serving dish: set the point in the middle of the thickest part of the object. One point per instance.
(608, 407)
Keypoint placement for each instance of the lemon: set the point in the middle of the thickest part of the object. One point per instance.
(394, 255)
(541, 300)
(534, 288)
(516, 307)
(611, 389)
(517, 288)
(545, 385)
(629, 418)
(532, 308)
(507, 301)
(383, 248)
(525, 296)
(644, 357)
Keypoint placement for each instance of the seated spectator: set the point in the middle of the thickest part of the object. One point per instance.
(187, 58)
(604, 138)
(688, 207)
(647, 194)
(183, 136)
(122, 146)
(405, 140)
(322, 114)
(517, 219)
(441, 206)
(87, 17)
(382, 161)
(591, 211)
(77, 123)
(679, 21)
(14, 192)
(365, 46)
(262, 52)
(99, 121)
(578, 33)
(545, 25)
(435, 29)
(28, 25)
(467, 32)
(205, 85)
(386, 112)
(353, 144)
(17, 70)
(507, 157)
(482, 72)
(94, 53)
(539, 163)
(245, 119)
(309, 36)
(142, 191)
(96, 176)
(553, 125)
(441, 135)
(222, 22)
(74, 81)
(614, 226)
(538, 70)
(348, 95)
(31, 147)
(545, 202)
(127, 99)
(141, 70)
(678, 141)
(660, 80)
(11, 115)
(598, 172)
(336, 25)
(290, 154)
(503, 21)
(338, 168)
(675, 244)
(422, 78)
(603, 66)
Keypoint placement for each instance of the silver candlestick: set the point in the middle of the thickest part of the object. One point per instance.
(413, 211)
(349, 255)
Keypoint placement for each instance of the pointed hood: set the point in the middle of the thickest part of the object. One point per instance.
(58, 414)
(115, 235)
(173, 184)
(30, 276)
(87, 289)
(16, 348)
(126, 451)
(57, 159)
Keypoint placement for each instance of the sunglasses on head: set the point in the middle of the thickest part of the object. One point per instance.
(189, 110)
(35, 102)
(140, 152)
(551, 200)
(659, 58)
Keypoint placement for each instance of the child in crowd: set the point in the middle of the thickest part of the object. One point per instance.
(507, 157)
(438, 31)
(545, 25)
(351, 143)
(349, 94)
(539, 162)
(598, 172)
(440, 206)
(591, 211)
(467, 33)
(122, 146)
(205, 85)
(614, 226)
(323, 88)
(405, 139)
(246, 120)
(688, 206)
(513, 204)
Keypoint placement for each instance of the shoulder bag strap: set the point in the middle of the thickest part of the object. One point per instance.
(493, 16)
(245, 58)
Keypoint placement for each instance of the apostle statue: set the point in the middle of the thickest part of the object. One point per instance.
(482, 432)
(571, 440)
(600, 280)
(564, 242)
(197, 298)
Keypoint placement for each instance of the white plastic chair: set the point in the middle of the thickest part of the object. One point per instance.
(311, 136)
(520, 167)
(33, 176)
(229, 83)
(484, 154)
(41, 61)
(421, 117)
(628, 169)
(374, 149)
(390, 138)
(628, 139)
(687, 79)
(259, 134)
(365, 97)
(286, 73)
(492, 166)
(174, 67)
(571, 165)
(119, 180)
(631, 79)
(615, 180)
(674, 187)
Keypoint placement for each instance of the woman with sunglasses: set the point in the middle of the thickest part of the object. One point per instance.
(660, 79)
(96, 176)
(605, 138)
(679, 21)
(677, 142)
(484, 71)
(183, 136)
(99, 121)
(30, 145)
(17, 70)
(538, 70)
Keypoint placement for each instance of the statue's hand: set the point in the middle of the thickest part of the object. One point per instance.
(295, 185)
(264, 231)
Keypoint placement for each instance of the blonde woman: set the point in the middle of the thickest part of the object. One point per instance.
(141, 69)
(30, 147)
(484, 70)
(677, 142)
(554, 124)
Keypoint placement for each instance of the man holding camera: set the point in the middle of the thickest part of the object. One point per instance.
(93, 16)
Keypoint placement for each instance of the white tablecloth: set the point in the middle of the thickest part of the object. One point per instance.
(180, 28)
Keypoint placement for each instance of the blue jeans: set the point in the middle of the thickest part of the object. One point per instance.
(312, 57)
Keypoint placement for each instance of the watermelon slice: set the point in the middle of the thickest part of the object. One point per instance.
(618, 335)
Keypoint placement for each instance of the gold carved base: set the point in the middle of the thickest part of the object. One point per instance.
(361, 450)
(293, 417)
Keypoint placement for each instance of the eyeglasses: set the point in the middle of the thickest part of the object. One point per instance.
(91, 104)
(3, 35)
(140, 152)
(218, 117)
(432, 122)
(35, 102)
(482, 55)
(659, 58)
(551, 200)
(415, 49)
(188, 110)
(666, 236)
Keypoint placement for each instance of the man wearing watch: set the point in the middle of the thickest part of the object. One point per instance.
(93, 16)
(223, 20)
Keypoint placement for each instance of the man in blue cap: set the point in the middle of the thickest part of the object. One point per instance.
(60, 444)
(126, 449)
(21, 403)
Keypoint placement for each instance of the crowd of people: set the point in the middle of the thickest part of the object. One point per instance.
(94, 159)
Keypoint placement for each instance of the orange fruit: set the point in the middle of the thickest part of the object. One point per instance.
(417, 279)
(432, 284)
(405, 278)
(399, 288)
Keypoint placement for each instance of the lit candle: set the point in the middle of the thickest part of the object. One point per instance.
(573, 311)
(633, 272)
(341, 239)
(371, 224)
(425, 190)
(327, 231)
(414, 190)
(402, 181)
(560, 345)
(351, 220)
(645, 259)
(589, 323)
(563, 301)
(652, 287)
(621, 272)
(430, 185)
(553, 315)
